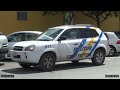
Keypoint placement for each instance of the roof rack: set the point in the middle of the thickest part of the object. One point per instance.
(84, 25)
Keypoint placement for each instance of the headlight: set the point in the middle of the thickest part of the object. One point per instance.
(30, 48)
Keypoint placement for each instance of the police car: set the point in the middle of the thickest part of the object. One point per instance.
(62, 43)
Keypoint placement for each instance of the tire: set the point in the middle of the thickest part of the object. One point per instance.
(98, 57)
(47, 62)
(74, 62)
(112, 51)
(24, 65)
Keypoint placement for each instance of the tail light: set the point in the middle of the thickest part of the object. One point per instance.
(118, 42)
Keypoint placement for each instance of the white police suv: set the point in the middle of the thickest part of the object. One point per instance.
(62, 43)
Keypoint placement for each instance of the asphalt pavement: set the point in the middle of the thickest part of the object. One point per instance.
(64, 70)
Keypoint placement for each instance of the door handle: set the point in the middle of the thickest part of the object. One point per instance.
(75, 43)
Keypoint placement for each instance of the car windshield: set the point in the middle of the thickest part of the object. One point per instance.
(49, 35)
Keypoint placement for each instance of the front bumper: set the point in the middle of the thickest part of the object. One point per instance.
(4, 50)
(26, 56)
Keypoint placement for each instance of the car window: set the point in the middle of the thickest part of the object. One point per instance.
(31, 36)
(71, 34)
(117, 34)
(16, 37)
(49, 35)
(87, 33)
(1, 33)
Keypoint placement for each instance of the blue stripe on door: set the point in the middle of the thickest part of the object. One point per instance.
(95, 44)
(78, 49)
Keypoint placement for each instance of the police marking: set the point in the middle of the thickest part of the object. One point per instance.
(89, 44)
(78, 49)
(95, 44)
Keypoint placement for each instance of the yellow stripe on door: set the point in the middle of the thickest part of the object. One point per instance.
(89, 44)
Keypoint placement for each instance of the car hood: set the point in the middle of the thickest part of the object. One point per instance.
(37, 43)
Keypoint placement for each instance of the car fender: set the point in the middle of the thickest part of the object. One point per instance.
(100, 46)
(49, 50)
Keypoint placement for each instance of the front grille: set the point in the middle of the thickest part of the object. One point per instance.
(18, 48)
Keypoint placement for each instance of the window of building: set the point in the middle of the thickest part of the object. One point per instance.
(21, 15)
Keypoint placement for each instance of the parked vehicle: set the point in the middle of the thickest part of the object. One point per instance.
(114, 42)
(62, 43)
(3, 46)
(21, 36)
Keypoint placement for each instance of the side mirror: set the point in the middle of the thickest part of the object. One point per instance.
(62, 38)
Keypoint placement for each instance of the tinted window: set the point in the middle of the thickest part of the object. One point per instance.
(87, 33)
(117, 34)
(71, 34)
(16, 37)
(31, 36)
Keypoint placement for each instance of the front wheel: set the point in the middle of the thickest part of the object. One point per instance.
(98, 57)
(47, 62)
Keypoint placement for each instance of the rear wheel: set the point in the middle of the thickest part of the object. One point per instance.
(98, 57)
(47, 62)
(24, 65)
(112, 51)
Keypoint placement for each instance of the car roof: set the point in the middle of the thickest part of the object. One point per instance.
(74, 26)
(110, 32)
(36, 32)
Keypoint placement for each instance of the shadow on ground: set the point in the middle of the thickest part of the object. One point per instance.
(58, 67)
(7, 60)
(116, 55)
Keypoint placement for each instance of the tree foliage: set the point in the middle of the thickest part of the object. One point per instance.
(67, 15)
(100, 16)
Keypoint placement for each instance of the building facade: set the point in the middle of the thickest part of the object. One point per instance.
(11, 21)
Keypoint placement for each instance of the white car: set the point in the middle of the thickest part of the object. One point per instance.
(62, 43)
(3, 46)
(114, 42)
(21, 36)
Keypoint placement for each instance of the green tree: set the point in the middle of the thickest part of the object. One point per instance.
(100, 16)
(67, 15)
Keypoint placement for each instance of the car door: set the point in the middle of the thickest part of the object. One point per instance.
(80, 48)
(91, 38)
(66, 48)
